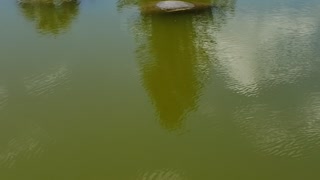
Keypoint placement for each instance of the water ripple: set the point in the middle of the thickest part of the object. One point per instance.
(43, 84)
(163, 174)
(3, 97)
(273, 132)
(23, 147)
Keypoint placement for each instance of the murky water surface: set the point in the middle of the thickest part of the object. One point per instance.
(98, 90)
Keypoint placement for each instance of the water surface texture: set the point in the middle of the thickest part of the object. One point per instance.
(97, 90)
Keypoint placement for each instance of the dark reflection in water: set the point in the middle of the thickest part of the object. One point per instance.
(174, 61)
(172, 75)
(50, 16)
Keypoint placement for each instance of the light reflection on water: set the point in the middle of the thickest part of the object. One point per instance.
(273, 56)
(279, 55)
(105, 99)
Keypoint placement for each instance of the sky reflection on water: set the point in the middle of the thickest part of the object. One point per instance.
(97, 90)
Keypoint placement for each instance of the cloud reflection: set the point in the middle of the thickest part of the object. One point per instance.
(269, 62)
(266, 51)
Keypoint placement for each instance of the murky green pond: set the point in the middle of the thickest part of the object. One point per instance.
(97, 90)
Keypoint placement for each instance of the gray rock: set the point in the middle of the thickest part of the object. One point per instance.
(174, 5)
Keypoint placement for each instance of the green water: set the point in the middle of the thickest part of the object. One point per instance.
(98, 91)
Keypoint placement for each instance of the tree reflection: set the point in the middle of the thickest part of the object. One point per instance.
(171, 79)
(50, 16)
(174, 59)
